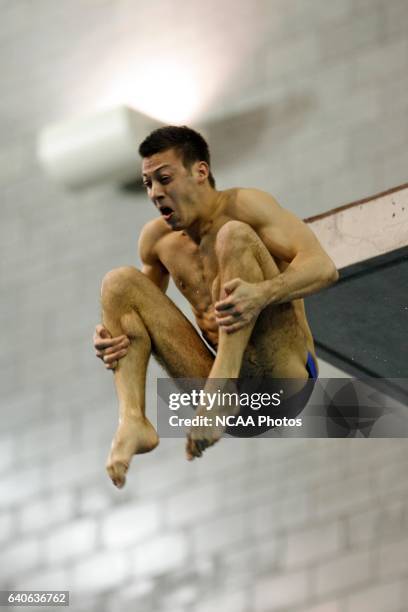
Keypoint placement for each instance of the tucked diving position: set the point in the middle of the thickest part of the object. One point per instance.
(242, 261)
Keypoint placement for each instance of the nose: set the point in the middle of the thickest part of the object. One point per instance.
(156, 192)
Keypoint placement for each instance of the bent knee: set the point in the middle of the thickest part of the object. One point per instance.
(119, 281)
(234, 235)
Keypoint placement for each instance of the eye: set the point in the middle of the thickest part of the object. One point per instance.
(164, 179)
(147, 184)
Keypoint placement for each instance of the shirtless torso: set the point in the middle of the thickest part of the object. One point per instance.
(282, 331)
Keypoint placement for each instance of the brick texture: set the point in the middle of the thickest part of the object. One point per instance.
(303, 98)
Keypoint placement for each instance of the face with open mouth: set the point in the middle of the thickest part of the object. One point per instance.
(169, 186)
(166, 212)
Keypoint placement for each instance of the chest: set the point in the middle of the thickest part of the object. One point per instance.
(193, 268)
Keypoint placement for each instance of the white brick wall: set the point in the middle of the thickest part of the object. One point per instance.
(228, 602)
(160, 555)
(388, 596)
(46, 511)
(44, 580)
(7, 526)
(98, 572)
(319, 91)
(349, 495)
(130, 524)
(21, 556)
(345, 572)
(330, 606)
(75, 468)
(276, 593)
(192, 506)
(18, 487)
(45, 440)
(313, 544)
(219, 533)
(70, 542)
(393, 557)
(7, 452)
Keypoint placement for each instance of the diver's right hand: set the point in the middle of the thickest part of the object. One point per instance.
(109, 349)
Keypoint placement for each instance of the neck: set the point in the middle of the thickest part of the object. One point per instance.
(208, 209)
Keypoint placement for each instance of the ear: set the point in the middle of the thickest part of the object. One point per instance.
(202, 171)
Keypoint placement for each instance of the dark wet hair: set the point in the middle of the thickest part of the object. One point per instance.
(187, 142)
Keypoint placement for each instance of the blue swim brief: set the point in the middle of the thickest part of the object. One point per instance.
(290, 408)
(311, 366)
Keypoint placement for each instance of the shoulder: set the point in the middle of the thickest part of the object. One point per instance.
(150, 237)
(256, 197)
(254, 206)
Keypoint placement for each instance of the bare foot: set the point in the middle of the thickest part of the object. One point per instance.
(201, 437)
(132, 437)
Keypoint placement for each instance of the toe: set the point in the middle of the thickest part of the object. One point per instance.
(196, 449)
(201, 445)
(189, 452)
(192, 450)
(117, 473)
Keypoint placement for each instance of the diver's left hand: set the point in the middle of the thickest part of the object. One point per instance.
(241, 305)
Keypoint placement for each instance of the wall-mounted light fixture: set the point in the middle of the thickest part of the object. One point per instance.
(96, 149)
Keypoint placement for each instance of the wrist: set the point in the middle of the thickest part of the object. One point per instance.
(265, 293)
(273, 290)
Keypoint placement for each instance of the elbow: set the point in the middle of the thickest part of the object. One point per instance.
(332, 275)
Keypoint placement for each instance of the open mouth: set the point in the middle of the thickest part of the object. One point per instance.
(166, 212)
